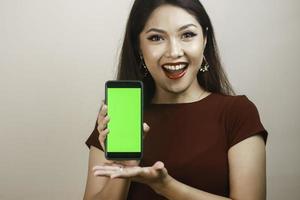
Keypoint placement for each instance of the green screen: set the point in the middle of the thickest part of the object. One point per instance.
(124, 111)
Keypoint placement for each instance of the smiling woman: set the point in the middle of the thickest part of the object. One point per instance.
(160, 30)
(202, 141)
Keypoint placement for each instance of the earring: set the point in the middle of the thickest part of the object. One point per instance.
(205, 67)
(146, 72)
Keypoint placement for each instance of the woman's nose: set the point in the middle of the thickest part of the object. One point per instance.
(174, 49)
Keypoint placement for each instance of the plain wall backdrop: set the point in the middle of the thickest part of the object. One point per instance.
(56, 55)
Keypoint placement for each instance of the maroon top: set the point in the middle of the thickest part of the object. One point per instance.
(192, 139)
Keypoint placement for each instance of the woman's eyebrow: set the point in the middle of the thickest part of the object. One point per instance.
(156, 30)
(162, 31)
(186, 26)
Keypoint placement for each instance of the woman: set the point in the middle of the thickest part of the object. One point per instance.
(201, 142)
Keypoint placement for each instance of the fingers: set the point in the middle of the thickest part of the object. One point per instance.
(136, 173)
(114, 171)
(102, 121)
(102, 124)
(111, 167)
(102, 137)
(126, 172)
(102, 113)
(106, 172)
(106, 169)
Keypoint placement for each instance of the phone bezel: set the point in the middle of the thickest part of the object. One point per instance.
(125, 155)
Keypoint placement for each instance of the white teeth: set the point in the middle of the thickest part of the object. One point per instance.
(174, 67)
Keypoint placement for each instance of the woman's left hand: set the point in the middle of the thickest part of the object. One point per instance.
(154, 176)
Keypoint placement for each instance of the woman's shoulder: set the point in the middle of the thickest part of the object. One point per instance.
(242, 118)
(238, 106)
(233, 104)
(233, 100)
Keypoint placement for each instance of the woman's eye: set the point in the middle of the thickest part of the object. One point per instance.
(155, 38)
(188, 35)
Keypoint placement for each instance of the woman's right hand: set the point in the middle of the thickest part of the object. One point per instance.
(103, 120)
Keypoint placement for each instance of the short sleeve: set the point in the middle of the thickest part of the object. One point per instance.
(93, 139)
(243, 121)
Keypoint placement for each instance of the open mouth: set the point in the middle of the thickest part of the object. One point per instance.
(175, 70)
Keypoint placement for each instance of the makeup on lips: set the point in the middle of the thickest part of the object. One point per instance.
(175, 70)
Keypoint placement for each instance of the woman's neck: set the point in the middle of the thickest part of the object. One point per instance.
(192, 94)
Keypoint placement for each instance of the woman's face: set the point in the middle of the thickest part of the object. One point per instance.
(172, 45)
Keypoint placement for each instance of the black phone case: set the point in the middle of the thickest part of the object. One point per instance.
(126, 84)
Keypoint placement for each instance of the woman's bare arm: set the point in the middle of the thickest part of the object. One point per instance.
(102, 187)
(247, 165)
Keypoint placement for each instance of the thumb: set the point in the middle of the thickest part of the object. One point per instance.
(146, 129)
(158, 165)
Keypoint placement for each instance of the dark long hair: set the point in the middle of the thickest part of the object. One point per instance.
(215, 80)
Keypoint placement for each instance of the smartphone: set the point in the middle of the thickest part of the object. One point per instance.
(124, 100)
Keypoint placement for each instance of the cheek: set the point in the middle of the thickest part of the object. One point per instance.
(195, 53)
(152, 55)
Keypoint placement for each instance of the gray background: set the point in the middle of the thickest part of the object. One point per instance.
(56, 55)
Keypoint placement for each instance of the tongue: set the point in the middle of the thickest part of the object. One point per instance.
(174, 74)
